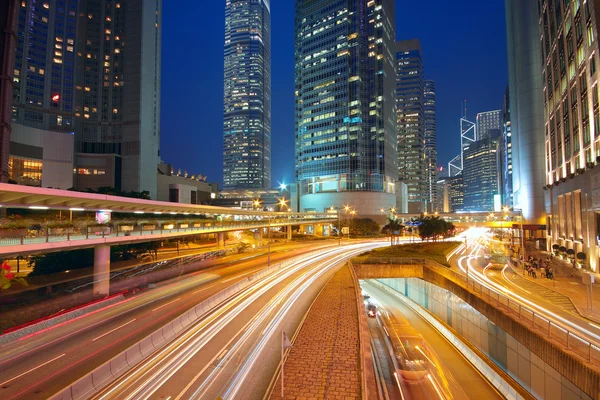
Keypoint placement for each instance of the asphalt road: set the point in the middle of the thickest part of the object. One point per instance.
(453, 375)
(38, 366)
(234, 351)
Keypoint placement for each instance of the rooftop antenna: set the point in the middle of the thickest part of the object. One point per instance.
(465, 110)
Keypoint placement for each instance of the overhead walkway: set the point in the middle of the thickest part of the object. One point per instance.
(151, 221)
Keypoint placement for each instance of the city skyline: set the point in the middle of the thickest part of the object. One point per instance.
(182, 103)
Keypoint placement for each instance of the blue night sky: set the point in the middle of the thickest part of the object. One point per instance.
(464, 51)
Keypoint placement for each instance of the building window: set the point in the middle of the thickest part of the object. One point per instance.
(174, 195)
(25, 171)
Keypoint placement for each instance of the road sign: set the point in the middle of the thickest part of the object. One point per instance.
(345, 230)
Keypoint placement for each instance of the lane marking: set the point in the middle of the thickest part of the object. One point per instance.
(32, 369)
(111, 331)
(208, 287)
(166, 304)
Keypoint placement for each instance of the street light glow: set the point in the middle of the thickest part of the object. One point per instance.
(282, 186)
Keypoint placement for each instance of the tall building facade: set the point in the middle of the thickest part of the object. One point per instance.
(346, 144)
(489, 123)
(506, 153)
(41, 142)
(527, 108)
(430, 126)
(412, 158)
(117, 94)
(568, 45)
(481, 174)
(247, 95)
(73, 74)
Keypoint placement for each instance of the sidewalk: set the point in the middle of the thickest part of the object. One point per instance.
(567, 282)
(324, 361)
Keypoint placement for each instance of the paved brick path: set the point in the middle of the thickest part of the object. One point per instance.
(324, 361)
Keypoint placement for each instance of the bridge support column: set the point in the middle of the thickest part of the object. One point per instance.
(318, 230)
(220, 240)
(289, 232)
(102, 269)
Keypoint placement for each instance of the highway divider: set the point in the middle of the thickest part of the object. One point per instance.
(96, 380)
(33, 327)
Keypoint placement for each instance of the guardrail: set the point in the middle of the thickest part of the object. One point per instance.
(97, 379)
(498, 381)
(573, 341)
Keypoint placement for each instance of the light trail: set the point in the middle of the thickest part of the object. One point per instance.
(151, 374)
(543, 312)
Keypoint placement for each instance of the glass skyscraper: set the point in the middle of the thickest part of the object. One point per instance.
(412, 162)
(117, 110)
(44, 69)
(247, 95)
(346, 145)
(430, 126)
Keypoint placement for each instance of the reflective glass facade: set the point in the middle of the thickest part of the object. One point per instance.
(489, 123)
(430, 141)
(481, 174)
(247, 95)
(44, 69)
(345, 106)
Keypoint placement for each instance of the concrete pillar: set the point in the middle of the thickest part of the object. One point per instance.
(220, 240)
(318, 230)
(289, 232)
(102, 269)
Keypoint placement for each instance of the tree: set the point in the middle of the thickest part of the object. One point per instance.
(394, 229)
(363, 227)
(431, 228)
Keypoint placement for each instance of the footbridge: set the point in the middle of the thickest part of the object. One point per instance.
(61, 220)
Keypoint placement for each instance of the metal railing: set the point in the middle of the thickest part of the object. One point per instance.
(573, 341)
(33, 232)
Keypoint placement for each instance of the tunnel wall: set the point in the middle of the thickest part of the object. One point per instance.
(539, 378)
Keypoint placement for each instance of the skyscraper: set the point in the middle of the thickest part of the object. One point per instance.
(346, 149)
(410, 89)
(527, 107)
(247, 95)
(117, 100)
(481, 174)
(567, 106)
(489, 123)
(430, 142)
(506, 152)
(41, 143)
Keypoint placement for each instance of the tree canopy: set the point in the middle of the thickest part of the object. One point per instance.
(432, 227)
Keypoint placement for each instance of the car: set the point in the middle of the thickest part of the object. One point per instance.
(371, 310)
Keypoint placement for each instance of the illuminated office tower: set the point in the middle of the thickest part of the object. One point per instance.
(117, 109)
(413, 166)
(430, 142)
(489, 123)
(41, 143)
(345, 106)
(481, 174)
(564, 43)
(506, 153)
(247, 95)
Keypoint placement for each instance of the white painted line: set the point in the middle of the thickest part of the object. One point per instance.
(111, 331)
(32, 369)
(237, 277)
(166, 304)
(198, 291)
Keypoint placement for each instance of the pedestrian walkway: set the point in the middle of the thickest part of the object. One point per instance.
(324, 361)
(567, 282)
